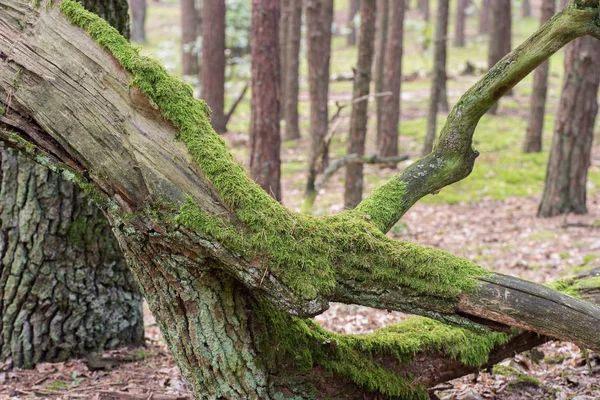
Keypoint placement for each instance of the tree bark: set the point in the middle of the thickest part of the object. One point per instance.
(265, 139)
(461, 19)
(566, 175)
(65, 288)
(138, 20)
(319, 17)
(387, 141)
(525, 8)
(284, 32)
(212, 78)
(484, 17)
(535, 125)
(189, 35)
(424, 7)
(358, 118)
(439, 73)
(500, 35)
(292, 47)
(353, 8)
(383, 9)
(228, 271)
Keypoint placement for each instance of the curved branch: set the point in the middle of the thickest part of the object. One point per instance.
(453, 157)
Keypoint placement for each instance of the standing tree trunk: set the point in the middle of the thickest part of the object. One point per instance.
(387, 141)
(535, 126)
(292, 48)
(138, 20)
(358, 119)
(351, 23)
(525, 8)
(65, 288)
(461, 17)
(319, 17)
(484, 17)
(439, 73)
(383, 9)
(424, 7)
(500, 35)
(284, 31)
(231, 274)
(212, 78)
(189, 36)
(265, 139)
(566, 175)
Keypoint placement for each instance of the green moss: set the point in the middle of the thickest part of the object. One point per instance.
(384, 202)
(523, 382)
(307, 252)
(504, 370)
(2, 110)
(300, 345)
(76, 233)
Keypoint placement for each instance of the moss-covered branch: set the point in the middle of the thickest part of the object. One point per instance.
(453, 156)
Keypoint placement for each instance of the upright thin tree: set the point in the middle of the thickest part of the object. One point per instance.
(383, 9)
(484, 17)
(353, 8)
(387, 140)
(460, 26)
(570, 156)
(265, 139)
(319, 17)
(500, 34)
(212, 75)
(358, 119)
(138, 20)
(439, 73)
(292, 87)
(190, 30)
(535, 124)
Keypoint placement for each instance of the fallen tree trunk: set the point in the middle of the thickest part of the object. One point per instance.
(228, 272)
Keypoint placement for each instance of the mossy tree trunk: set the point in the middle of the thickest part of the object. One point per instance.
(570, 156)
(65, 289)
(535, 124)
(438, 83)
(231, 275)
(358, 119)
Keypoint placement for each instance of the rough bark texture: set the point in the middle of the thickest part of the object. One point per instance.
(65, 290)
(461, 19)
(292, 48)
(138, 20)
(535, 125)
(113, 11)
(319, 17)
(383, 9)
(212, 77)
(189, 34)
(350, 24)
(500, 34)
(387, 141)
(358, 118)
(484, 17)
(230, 273)
(439, 73)
(566, 175)
(265, 139)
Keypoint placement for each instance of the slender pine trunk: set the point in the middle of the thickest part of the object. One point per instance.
(292, 48)
(500, 35)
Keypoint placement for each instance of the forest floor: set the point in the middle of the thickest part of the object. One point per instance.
(489, 218)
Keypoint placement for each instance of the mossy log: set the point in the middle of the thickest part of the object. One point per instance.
(229, 273)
